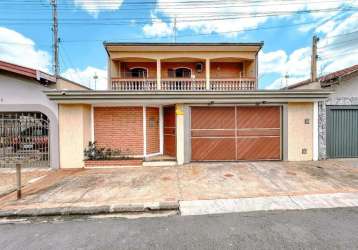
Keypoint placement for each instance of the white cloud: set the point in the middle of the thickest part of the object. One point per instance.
(86, 77)
(157, 28)
(232, 15)
(95, 6)
(18, 49)
(295, 66)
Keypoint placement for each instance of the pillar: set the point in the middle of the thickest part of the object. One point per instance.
(159, 69)
(180, 133)
(207, 73)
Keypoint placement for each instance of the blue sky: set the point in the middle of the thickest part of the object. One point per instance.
(285, 26)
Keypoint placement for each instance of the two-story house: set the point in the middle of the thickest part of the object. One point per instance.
(186, 102)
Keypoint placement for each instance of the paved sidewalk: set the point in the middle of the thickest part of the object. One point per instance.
(111, 190)
(299, 202)
(8, 178)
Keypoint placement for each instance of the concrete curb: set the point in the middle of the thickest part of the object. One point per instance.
(92, 210)
(270, 203)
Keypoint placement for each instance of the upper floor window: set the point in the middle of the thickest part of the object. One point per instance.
(138, 72)
(179, 73)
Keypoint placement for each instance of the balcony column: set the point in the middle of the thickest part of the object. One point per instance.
(207, 73)
(159, 70)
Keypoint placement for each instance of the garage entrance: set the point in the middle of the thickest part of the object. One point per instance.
(237, 133)
(342, 131)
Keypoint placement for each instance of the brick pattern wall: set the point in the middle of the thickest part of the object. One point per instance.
(114, 163)
(153, 141)
(119, 128)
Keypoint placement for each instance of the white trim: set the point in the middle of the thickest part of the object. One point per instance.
(161, 129)
(315, 131)
(144, 131)
(153, 154)
(92, 123)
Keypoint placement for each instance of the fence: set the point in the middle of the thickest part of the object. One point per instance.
(24, 138)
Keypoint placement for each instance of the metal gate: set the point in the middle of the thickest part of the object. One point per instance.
(236, 133)
(24, 138)
(342, 131)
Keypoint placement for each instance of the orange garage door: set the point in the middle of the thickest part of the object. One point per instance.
(235, 133)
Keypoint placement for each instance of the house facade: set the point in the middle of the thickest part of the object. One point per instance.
(338, 115)
(187, 103)
(25, 110)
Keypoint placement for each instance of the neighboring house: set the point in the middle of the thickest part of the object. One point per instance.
(338, 115)
(25, 110)
(187, 102)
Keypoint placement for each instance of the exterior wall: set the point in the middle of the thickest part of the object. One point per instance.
(314, 85)
(299, 134)
(119, 128)
(151, 66)
(217, 69)
(346, 93)
(180, 133)
(74, 127)
(227, 70)
(22, 94)
(153, 141)
(191, 65)
(68, 85)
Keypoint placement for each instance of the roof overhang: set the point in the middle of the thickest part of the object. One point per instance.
(165, 47)
(165, 97)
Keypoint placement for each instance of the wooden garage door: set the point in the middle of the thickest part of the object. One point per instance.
(235, 133)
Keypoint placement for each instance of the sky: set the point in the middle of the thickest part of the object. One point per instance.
(285, 26)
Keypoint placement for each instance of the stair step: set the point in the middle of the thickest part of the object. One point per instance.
(159, 163)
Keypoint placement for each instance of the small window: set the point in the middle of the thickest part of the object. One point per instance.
(138, 72)
(182, 73)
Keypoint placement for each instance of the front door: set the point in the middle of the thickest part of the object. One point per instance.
(169, 131)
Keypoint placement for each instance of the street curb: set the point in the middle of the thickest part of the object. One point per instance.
(92, 210)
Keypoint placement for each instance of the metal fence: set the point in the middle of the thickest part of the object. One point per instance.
(24, 138)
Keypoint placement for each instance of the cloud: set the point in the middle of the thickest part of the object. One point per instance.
(86, 75)
(337, 49)
(232, 15)
(18, 49)
(95, 6)
(157, 28)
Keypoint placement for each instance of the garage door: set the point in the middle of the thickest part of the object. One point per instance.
(235, 133)
(342, 131)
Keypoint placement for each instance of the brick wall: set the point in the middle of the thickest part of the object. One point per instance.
(153, 141)
(119, 128)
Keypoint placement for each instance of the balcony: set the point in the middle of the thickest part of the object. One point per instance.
(183, 84)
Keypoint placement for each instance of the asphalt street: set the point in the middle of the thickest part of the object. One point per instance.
(304, 229)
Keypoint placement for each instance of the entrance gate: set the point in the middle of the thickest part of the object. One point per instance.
(24, 138)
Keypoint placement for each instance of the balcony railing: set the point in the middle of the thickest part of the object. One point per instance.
(134, 84)
(183, 84)
(233, 84)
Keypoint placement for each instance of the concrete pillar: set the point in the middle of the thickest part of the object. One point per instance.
(74, 134)
(161, 129)
(180, 133)
(144, 131)
(315, 131)
(207, 73)
(159, 72)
